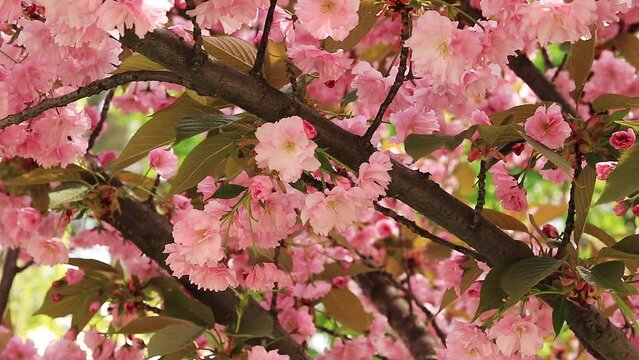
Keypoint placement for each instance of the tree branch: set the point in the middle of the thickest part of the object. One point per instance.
(106, 104)
(93, 88)
(9, 272)
(261, 50)
(411, 187)
(399, 78)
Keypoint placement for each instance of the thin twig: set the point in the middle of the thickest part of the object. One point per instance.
(428, 235)
(197, 31)
(399, 78)
(9, 271)
(104, 112)
(570, 218)
(261, 50)
(481, 194)
(93, 88)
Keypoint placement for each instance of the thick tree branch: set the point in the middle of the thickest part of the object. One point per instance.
(411, 187)
(93, 88)
(153, 233)
(9, 272)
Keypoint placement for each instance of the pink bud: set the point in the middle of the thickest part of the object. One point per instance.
(550, 231)
(623, 139)
(56, 297)
(604, 169)
(340, 281)
(621, 208)
(635, 210)
(74, 276)
(94, 307)
(519, 148)
(309, 130)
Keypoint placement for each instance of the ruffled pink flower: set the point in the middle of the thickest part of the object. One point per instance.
(548, 127)
(331, 66)
(47, 251)
(199, 238)
(64, 349)
(336, 208)
(373, 175)
(207, 187)
(143, 15)
(263, 277)
(604, 169)
(511, 195)
(74, 276)
(10, 10)
(297, 322)
(15, 349)
(230, 14)
(556, 21)
(285, 148)
(324, 18)
(164, 161)
(216, 277)
(622, 140)
(514, 334)
(260, 353)
(466, 341)
(414, 120)
(450, 273)
(440, 49)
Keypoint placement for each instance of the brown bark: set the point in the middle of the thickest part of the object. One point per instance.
(213, 78)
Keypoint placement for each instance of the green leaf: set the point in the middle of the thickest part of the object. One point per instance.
(276, 70)
(368, 10)
(42, 176)
(600, 234)
(449, 296)
(261, 326)
(349, 98)
(580, 61)
(228, 191)
(231, 50)
(504, 221)
(179, 305)
(67, 194)
(137, 62)
(585, 187)
(336, 269)
(614, 101)
(622, 181)
(149, 324)
(89, 265)
(159, 131)
(203, 160)
(345, 307)
(628, 46)
(552, 156)
(559, 315)
(418, 146)
(173, 338)
(492, 296)
(626, 249)
(517, 114)
(525, 274)
(607, 276)
(497, 135)
(194, 125)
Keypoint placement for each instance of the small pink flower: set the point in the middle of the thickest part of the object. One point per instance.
(621, 208)
(414, 120)
(550, 231)
(260, 353)
(548, 127)
(635, 210)
(94, 307)
(621, 140)
(164, 161)
(15, 349)
(47, 251)
(263, 278)
(324, 18)
(604, 169)
(74, 276)
(309, 130)
(373, 175)
(514, 334)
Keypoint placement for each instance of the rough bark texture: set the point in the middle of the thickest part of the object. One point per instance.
(392, 303)
(213, 78)
(150, 231)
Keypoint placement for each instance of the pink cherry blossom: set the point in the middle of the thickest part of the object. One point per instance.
(47, 251)
(284, 147)
(263, 276)
(373, 175)
(548, 127)
(514, 334)
(414, 120)
(297, 322)
(74, 276)
(230, 14)
(260, 353)
(15, 349)
(199, 238)
(164, 161)
(10, 10)
(622, 140)
(141, 15)
(216, 277)
(604, 168)
(332, 209)
(507, 190)
(466, 341)
(324, 18)
(331, 66)
(64, 349)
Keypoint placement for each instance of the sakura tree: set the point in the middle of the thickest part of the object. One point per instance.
(331, 179)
